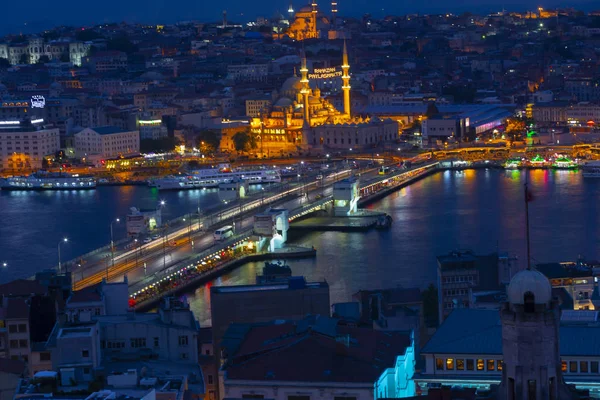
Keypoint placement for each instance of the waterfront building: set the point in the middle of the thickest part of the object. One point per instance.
(24, 143)
(151, 128)
(518, 347)
(100, 143)
(316, 358)
(462, 272)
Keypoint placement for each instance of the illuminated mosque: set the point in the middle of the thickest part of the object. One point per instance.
(301, 119)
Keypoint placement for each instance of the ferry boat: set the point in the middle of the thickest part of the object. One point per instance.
(211, 178)
(48, 181)
(563, 162)
(591, 169)
(538, 162)
(513, 163)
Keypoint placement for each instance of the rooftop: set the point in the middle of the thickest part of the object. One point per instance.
(313, 350)
(293, 283)
(108, 130)
(474, 331)
(22, 287)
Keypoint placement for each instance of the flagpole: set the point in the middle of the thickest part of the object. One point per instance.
(527, 222)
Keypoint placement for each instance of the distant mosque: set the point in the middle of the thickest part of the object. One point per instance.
(309, 22)
(301, 119)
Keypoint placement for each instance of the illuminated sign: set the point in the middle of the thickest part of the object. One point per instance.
(38, 101)
(325, 73)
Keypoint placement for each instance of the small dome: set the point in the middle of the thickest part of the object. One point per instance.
(291, 84)
(283, 102)
(532, 281)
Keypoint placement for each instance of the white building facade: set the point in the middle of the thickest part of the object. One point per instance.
(106, 142)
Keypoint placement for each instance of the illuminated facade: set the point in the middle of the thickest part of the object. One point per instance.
(306, 24)
(24, 145)
(104, 142)
(300, 118)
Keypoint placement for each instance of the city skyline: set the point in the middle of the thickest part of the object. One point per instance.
(37, 15)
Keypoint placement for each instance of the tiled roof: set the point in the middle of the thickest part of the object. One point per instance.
(472, 331)
(21, 287)
(108, 130)
(280, 352)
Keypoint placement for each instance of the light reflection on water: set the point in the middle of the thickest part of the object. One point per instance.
(479, 210)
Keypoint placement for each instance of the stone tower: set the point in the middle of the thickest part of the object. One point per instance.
(530, 336)
(346, 81)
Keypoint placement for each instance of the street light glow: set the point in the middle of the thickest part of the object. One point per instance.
(4, 264)
(162, 202)
(118, 220)
(65, 240)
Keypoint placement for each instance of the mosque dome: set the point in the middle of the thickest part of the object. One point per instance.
(531, 281)
(291, 84)
(283, 102)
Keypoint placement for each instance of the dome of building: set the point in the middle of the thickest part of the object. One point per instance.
(291, 84)
(531, 281)
(283, 102)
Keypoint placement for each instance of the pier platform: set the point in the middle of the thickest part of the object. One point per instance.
(150, 296)
(361, 221)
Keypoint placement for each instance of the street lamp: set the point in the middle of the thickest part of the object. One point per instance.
(65, 240)
(5, 264)
(112, 242)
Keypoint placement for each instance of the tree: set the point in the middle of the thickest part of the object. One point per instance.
(430, 306)
(43, 59)
(208, 141)
(86, 35)
(159, 145)
(121, 43)
(24, 59)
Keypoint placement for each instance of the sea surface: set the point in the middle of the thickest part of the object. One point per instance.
(480, 210)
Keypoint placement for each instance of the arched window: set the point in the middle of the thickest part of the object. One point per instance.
(529, 302)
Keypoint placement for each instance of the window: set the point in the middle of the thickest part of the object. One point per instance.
(211, 395)
(449, 363)
(439, 364)
(137, 342)
(183, 340)
(460, 364)
(156, 342)
(499, 365)
(22, 328)
(563, 366)
(470, 365)
(14, 344)
(23, 343)
(45, 356)
(490, 365)
(583, 367)
(184, 356)
(12, 328)
(85, 353)
(210, 379)
(207, 352)
(572, 366)
(86, 370)
(479, 364)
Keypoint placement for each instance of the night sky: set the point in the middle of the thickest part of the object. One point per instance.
(34, 15)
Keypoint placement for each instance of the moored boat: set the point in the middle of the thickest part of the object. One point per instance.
(48, 181)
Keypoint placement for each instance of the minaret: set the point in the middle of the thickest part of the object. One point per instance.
(314, 6)
(224, 18)
(305, 88)
(333, 12)
(346, 81)
(291, 9)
